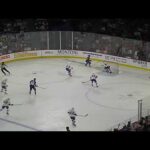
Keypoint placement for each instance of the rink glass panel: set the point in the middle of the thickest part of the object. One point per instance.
(66, 40)
(93, 42)
(54, 40)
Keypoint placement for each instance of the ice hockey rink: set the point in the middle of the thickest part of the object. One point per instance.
(114, 101)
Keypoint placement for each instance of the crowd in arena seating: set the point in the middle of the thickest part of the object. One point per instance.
(129, 28)
(126, 28)
(142, 125)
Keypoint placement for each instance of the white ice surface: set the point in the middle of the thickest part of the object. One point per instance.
(114, 101)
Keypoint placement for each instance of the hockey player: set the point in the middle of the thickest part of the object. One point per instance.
(93, 79)
(68, 69)
(3, 68)
(6, 104)
(33, 86)
(88, 61)
(107, 68)
(4, 86)
(72, 115)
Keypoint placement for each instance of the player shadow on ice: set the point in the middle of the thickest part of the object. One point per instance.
(31, 99)
(126, 97)
(104, 73)
(95, 91)
(73, 75)
(101, 87)
(34, 73)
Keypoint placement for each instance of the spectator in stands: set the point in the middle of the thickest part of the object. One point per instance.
(116, 130)
(147, 119)
(124, 128)
(148, 57)
(141, 55)
(135, 56)
(67, 128)
(129, 125)
(142, 121)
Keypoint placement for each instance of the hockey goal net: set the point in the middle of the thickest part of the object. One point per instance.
(114, 67)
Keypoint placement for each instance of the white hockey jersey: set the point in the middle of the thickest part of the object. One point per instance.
(32, 82)
(72, 113)
(68, 67)
(4, 83)
(6, 102)
(3, 66)
(93, 77)
(105, 65)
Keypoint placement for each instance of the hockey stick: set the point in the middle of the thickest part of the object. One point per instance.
(86, 81)
(83, 115)
(41, 87)
(16, 104)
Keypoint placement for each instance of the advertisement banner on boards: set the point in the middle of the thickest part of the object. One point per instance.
(93, 55)
(25, 54)
(115, 59)
(48, 52)
(139, 63)
(67, 52)
(5, 57)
